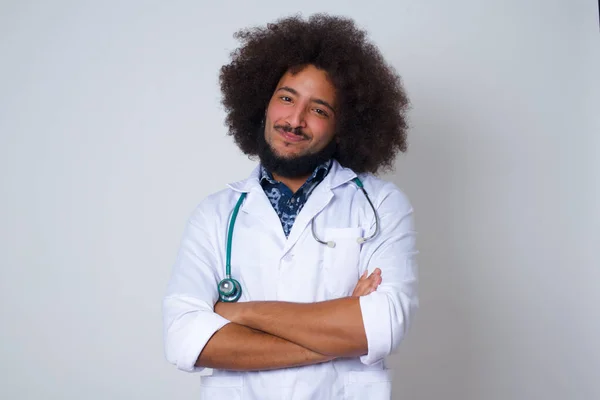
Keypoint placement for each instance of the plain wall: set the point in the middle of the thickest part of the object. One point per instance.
(111, 131)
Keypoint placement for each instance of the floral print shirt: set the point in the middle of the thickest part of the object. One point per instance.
(287, 205)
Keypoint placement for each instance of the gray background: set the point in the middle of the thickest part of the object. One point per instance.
(111, 132)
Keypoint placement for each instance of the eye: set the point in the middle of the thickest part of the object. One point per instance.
(286, 99)
(321, 112)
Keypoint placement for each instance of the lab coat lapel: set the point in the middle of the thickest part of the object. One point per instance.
(257, 205)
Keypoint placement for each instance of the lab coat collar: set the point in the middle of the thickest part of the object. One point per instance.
(338, 175)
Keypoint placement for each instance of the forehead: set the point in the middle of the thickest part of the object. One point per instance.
(309, 82)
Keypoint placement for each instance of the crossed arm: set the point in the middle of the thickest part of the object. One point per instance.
(275, 335)
(271, 335)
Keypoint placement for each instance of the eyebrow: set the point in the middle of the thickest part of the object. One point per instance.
(318, 101)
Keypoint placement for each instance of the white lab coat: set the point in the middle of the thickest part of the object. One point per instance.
(296, 269)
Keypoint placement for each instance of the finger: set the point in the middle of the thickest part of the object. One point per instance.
(362, 291)
(365, 288)
(359, 287)
(375, 274)
(376, 282)
(364, 275)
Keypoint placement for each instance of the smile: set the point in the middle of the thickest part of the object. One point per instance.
(290, 137)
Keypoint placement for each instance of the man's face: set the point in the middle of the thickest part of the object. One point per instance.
(300, 118)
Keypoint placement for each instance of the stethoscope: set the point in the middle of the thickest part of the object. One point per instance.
(230, 289)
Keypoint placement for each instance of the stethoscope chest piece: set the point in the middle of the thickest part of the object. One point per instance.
(230, 290)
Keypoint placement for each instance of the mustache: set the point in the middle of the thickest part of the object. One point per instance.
(287, 128)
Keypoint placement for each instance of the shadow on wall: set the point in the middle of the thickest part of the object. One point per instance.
(435, 358)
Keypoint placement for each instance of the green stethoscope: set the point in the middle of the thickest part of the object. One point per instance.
(230, 289)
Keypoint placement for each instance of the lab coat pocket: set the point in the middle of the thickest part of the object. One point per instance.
(340, 263)
(221, 387)
(373, 385)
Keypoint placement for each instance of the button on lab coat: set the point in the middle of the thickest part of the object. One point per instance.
(270, 266)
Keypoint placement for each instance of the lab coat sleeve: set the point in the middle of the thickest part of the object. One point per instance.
(188, 317)
(387, 311)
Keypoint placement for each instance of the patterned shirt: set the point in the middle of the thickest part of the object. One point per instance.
(288, 204)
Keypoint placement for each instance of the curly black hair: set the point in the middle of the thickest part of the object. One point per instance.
(371, 121)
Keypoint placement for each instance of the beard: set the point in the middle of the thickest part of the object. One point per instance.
(292, 167)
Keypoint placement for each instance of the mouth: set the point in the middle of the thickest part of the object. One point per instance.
(290, 136)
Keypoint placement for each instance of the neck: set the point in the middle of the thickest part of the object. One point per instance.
(293, 183)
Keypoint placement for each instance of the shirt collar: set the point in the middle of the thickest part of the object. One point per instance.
(337, 175)
(318, 174)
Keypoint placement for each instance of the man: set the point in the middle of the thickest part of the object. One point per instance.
(325, 272)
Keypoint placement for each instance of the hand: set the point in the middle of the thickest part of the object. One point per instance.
(367, 285)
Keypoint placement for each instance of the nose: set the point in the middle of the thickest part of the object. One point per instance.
(296, 118)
